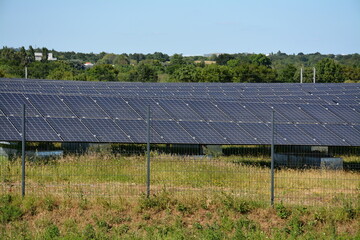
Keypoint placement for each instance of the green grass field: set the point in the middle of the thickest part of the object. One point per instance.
(245, 176)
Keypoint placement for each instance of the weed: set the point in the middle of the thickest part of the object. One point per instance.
(158, 202)
(213, 232)
(89, 232)
(118, 219)
(296, 226)
(103, 224)
(51, 232)
(70, 226)
(321, 215)
(49, 203)
(245, 223)
(83, 204)
(183, 208)
(197, 225)
(282, 211)
(8, 210)
(29, 205)
(146, 216)
(349, 210)
(236, 204)
(122, 229)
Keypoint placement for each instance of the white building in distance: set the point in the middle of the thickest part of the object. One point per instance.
(38, 56)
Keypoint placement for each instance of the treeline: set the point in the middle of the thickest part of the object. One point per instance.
(160, 67)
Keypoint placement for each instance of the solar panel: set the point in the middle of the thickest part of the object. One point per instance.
(208, 111)
(37, 129)
(346, 113)
(236, 111)
(261, 132)
(180, 110)
(140, 105)
(321, 113)
(233, 133)
(322, 135)
(136, 131)
(172, 132)
(49, 105)
(264, 112)
(293, 113)
(293, 135)
(212, 113)
(347, 133)
(203, 133)
(72, 130)
(7, 131)
(11, 105)
(106, 130)
(84, 107)
(117, 108)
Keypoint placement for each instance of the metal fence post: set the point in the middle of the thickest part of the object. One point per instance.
(148, 153)
(23, 152)
(272, 184)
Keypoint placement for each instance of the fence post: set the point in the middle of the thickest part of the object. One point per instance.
(23, 152)
(272, 184)
(148, 153)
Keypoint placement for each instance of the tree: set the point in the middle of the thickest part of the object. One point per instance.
(158, 56)
(177, 59)
(23, 56)
(253, 73)
(260, 60)
(222, 59)
(352, 73)
(45, 53)
(287, 73)
(63, 71)
(215, 73)
(107, 59)
(102, 72)
(137, 57)
(40, 70)
(121, 60)
(327, 70)
(60, 74)
(31, 54)
(143, 73)
(233, 63)
(186, 73)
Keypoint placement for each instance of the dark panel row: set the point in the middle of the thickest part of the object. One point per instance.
(39, 105)
(189, 132)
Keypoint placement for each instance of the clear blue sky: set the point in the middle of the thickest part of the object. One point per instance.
(190, 27)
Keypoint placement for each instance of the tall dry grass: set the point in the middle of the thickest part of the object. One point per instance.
(248, 176)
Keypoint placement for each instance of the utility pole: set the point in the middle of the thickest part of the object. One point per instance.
(301, 75)
(314, 78)
(26, 74)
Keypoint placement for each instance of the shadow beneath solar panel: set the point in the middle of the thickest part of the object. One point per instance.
(252, 163)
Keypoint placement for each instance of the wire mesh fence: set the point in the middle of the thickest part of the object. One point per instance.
(113, 170)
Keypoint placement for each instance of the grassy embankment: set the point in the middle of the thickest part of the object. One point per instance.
(163, 216)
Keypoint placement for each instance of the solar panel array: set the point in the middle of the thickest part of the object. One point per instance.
(182, 113)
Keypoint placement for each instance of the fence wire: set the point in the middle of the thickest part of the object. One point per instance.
(303, 174)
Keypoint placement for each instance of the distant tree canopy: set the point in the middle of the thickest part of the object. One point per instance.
(157, 66)
(329, 71)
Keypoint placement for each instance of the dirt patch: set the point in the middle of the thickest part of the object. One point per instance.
(267, 219)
